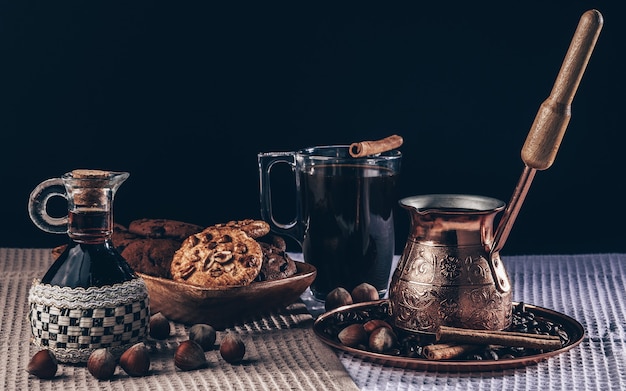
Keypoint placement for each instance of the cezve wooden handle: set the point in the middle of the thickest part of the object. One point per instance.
(548, 128)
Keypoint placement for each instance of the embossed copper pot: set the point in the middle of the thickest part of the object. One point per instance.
(447, 274)
(450, 272)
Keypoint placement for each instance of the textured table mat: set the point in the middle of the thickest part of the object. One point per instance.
(282, 353)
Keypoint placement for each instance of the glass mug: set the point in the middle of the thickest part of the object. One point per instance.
(344, 219)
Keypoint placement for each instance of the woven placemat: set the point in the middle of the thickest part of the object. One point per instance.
(282, 352)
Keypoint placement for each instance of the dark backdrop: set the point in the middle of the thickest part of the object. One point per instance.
(184, 96)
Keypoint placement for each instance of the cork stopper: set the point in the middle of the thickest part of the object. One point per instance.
(87, 174)
(89, 191)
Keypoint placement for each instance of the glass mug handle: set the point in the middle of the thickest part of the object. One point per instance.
(37, 206)
(267, 161)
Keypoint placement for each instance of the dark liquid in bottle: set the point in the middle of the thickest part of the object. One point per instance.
(349, 234)
(90, 258)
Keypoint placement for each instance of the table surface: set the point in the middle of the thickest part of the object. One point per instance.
(590, 288)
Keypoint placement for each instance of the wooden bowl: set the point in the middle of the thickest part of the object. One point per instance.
(224, 307)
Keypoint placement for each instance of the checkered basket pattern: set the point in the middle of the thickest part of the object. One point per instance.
(73, 322)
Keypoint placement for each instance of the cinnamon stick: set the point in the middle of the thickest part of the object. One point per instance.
(446, 351)
(503, 338)
(366, 148)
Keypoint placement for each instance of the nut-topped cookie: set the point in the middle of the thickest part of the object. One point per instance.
(254, 228)
(217, 257)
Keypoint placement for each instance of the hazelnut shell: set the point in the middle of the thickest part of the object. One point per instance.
(382, 339)
(232, 348)
(43, 364)
(135, 360)
(204, 334)
(101, 364)
(159, 326)
(189, 355)
(364, 292)
(352, 335)
(337, 298)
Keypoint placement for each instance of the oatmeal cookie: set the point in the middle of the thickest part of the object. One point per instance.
(151, 256)
(218, 257)
(276, 263)
(163, 228)
(254, 228)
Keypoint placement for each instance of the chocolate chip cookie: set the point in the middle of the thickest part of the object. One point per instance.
(274, 240)
(254, 228)
(121, 237)
(163, 228)
(276, 263)
(151, 256)
(218, 257)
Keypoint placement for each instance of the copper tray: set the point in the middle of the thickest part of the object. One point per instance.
(574, 329)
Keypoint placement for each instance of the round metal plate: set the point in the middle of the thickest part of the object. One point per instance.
(325, 321)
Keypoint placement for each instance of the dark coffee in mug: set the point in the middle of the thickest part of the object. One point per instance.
(344, 213)
(349, 230)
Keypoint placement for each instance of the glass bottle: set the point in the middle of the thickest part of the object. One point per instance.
(90, 297)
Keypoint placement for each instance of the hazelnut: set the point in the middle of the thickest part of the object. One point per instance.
(136, 360)
(101, 364)
(336, 298)
(373, 324)
(232, 348)
(43, 364)
(159, 326)
(352, 335)
(382, 339)
(204, 335)
(189, 355)
(364, 292)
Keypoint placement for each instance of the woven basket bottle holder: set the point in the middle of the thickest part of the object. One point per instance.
(73, 322)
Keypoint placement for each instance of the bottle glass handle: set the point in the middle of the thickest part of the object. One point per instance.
(37, 206)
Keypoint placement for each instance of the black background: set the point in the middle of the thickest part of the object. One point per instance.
(184, 95)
